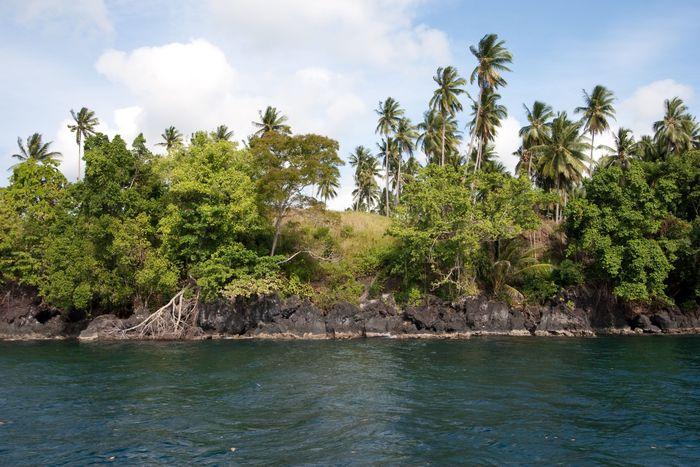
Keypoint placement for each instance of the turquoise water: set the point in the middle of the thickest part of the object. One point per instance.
(604, 400)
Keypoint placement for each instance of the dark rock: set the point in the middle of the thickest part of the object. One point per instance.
(563, 321)
(101, 328)
(343, 319)
(491, 316)
(238, 316)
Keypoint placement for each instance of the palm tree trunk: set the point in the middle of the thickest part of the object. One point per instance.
(442, 144)
(529, 166)
(590, 166)
(398, 183)
(476, 126)
(79, 157)
(386, 184)
(557, 211)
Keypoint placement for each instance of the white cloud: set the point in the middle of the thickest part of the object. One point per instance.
(382, 33)
(507, 142)
(87, 14)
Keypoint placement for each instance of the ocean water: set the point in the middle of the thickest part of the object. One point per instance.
(623, 400)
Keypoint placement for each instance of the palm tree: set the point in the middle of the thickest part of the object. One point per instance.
(623, 151)
(597, 109)
(366, 192)
(445, 99)
(328, 188)
(561, 157)
(36, 150)
(486, 119)
(677, 128)
(271, 120)
(430, 137)
(389, 152)
(651, 149)
(535, 132)
(222, 133)
(171, 138)
(492, 59)
(390, 113)
(405, 138)
(85, 123)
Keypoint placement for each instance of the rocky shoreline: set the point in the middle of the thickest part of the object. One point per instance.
(577, 313)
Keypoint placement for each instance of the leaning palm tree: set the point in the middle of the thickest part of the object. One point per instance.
(623, 151)
(271, 121)
(537, 129)
(171, 138)
(486, 119)
(445, 99)
(36, 150)
(390, 113)
(597, 109)
(492, 60)
(222, 133)
(84, 126)
(561, 157)
(676, 129)
(405, 138)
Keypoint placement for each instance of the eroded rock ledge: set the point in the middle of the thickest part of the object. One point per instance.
(576, 313)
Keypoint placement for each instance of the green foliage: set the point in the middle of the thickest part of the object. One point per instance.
(568, 273)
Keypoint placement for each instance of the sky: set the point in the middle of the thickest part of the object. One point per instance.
(143, 66)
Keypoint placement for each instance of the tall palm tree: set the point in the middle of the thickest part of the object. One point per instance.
(651, 149)
(430, 137)
(171, 138)
(36, 150)
(492, 60)
(445, 99)
(623, 151)
(486, 119)
(272, 120)
(390, 113)
(390, 155)
(328, 188)
(561, 157)
(405, 138)
(222, 133)
(676, 129)
(535, 132)
(597, 109)
(366, 192)
(84, 126)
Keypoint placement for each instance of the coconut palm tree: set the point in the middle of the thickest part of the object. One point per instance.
(36, 150)
(405, 138)
(535, 132)
(390, 113)
(597, 110)
(271, 120)
(366, 192)
(328, 188)
(677, 130)
(651, 149)
(623, 151)
(445, 99)
(492, 60)
(390, 155)
(561, 157)
(222, 133)
(84, 126)
(171, 138)
(486, 119)
(430, 137)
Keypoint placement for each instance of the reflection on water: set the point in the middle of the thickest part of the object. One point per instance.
(606, 400)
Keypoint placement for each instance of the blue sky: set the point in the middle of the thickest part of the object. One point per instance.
(143, 66)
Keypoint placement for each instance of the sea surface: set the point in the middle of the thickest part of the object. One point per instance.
(623, 400)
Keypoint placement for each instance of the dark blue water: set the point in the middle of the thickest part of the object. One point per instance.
(605, 400)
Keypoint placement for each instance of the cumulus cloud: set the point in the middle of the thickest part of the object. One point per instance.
(381, 33)
(86, 14)
(507, 142)
(645, 105)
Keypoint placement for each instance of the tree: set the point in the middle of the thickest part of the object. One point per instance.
(430, 138)
(623, 151)
(328, 187)
(445, 100)
(677, 128)
(561, 156)
(405, 138)
(172, 138)
(289, 165)
(366, 192)
(36, 150)
(535, 132)
(222, 133)
(390, 113)
(486, 119)
(271, 121)
(597, 109)
(492, 60)
(85, 123)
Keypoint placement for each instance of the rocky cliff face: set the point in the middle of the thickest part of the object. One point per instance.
(574, 313)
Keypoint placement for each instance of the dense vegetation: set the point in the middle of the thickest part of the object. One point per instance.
(224, 219)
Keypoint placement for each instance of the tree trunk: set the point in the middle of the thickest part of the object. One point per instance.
(529, 166)
(278, 225)
(80, 146)
(590, 167)
(476, 126)
(442, 144)
(557, 212)
(398, 182)
(386, 184)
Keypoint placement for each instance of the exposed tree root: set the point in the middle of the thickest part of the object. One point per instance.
(177, 319)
